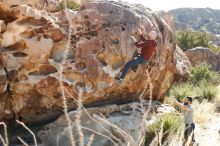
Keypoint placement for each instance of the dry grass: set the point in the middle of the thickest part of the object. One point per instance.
(78, 119)
(203, 112)
(217, 101)
(91, 139)
(29, 130)
(60, 71)
(22, 141)
(4, 140)
(165, 128)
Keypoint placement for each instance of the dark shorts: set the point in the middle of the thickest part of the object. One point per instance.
(189, 132)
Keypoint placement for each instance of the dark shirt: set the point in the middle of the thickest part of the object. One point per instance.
(148, 47)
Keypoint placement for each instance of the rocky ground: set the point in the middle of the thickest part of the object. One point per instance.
(209, 133)
(111, 125)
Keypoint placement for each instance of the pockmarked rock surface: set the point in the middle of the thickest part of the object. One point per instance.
(183, 65)
(110, 125)
(35, 43)
(201, 55)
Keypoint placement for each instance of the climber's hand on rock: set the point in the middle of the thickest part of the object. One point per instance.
(133, 38)
(139, 31)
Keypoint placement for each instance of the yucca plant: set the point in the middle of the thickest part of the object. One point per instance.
(71, 4)
(204, 72)
(165, 126)
(208, 91)
(182, 90)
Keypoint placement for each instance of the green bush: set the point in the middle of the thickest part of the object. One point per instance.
(209, 94)
(204, 73)
(169, 123)
(199, 73)
(191, 39)
(215, 49)
(207, 91)
(204, 90)
(71, 4)
(182, 90)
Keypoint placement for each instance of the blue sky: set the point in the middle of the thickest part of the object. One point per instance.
(172, 4)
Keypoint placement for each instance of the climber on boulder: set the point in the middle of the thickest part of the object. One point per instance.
(146, 49)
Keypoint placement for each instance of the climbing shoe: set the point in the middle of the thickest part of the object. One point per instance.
(119, 80)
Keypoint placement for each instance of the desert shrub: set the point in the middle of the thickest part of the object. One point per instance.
(203, 73)
(203, 111)
(71, 4)
(203, 90)
(214, 48)
(182, 90)
(199, 73)
(191, 39)
(209, 94)
(207, 91)
(169, 124)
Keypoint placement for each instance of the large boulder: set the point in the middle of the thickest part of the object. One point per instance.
(110, 125)
(37, 56)
(183, 65)
(201, 55)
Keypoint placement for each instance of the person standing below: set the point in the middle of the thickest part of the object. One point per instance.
(188, 118)
(145, 50)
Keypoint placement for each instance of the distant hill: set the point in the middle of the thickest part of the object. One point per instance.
(199, 19)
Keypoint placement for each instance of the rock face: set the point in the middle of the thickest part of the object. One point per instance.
(183, 65)
(200, 55)
(35, 44)
(126, 124)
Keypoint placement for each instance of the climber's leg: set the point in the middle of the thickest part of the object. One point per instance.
(143, 61)
(134, 68)
(130, 64)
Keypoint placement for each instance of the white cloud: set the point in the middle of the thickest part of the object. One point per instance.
(172, 4)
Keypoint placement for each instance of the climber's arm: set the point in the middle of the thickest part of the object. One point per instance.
(139, 45)
(142, 37)
(146, 43)
(184, 108)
